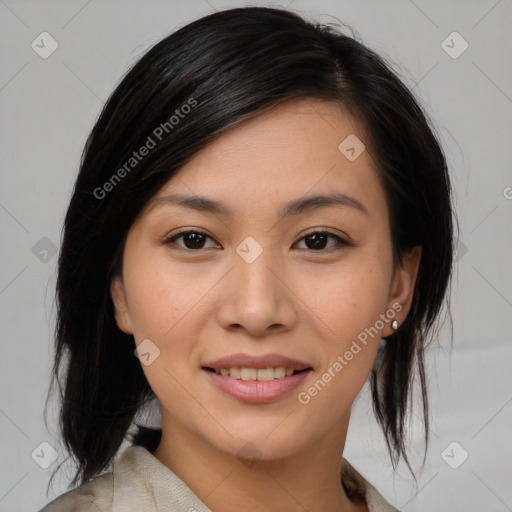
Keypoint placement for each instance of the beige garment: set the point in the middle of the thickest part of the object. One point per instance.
(139, 482)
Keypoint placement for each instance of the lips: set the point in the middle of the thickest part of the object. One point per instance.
(256, 391)
(260, 362)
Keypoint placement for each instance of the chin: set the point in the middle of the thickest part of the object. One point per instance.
(261, 442)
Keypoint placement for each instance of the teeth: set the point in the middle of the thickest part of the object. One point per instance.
(248, 373)
(265, 374)
(261, 374)
(279, 373)
(235, 373)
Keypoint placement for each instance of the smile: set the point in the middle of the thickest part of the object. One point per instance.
(261, 374)
(246, 386)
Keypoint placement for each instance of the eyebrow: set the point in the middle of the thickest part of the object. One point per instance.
(299, 206)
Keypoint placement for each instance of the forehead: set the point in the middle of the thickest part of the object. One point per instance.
(297, 131)
(293, 149)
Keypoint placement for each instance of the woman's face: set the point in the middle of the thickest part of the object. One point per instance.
(258, 286)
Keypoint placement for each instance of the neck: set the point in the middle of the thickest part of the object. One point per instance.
(309, 480)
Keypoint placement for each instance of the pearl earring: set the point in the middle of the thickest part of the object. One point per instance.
(394, 325)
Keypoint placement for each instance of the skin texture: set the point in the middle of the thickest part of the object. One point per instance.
(197, 305)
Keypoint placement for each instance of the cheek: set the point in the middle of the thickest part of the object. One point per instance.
(168, 306)
(352, 297)
(162, 304)
(160, 295)
(350, 304)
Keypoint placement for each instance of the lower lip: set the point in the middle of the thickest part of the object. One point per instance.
(257, 391)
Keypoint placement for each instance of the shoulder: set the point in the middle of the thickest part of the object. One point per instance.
(92, 496)
(138, 482)
(359, 489)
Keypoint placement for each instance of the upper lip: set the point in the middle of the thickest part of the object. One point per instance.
(262, 361)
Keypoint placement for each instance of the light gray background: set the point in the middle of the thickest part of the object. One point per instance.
(47, 108)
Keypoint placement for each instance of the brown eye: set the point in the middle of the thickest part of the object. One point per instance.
(318, 241)
(192, 240)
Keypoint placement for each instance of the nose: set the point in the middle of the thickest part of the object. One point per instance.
(256, 298)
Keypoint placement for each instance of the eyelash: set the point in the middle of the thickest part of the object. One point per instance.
(341, 242)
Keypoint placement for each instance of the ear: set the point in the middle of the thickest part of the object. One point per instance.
(402, 287)
(118, 295)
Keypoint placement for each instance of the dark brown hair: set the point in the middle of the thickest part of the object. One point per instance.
(234, 64)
